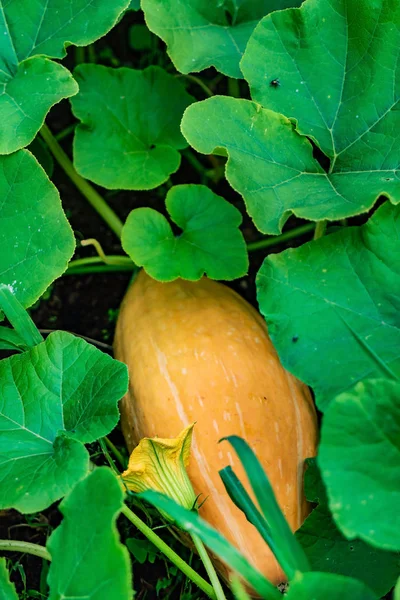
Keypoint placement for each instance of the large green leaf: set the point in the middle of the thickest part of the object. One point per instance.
(359, 457)
(7, 589)
(326, 586)
(332, 68)
(31, 83)
(338, 69)
(201, 34)
(329, 551)
(88, 560)
(333, 305)
(53, 399)
(36, 240)
(129, 137)
(211, 242)
(191, 522)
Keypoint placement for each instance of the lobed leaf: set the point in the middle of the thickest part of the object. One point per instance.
(346, 102)
(129, 134)
(210, 243)
(53, 399)
(201, 34)
(329, 551)
(35, 245)
(332, 305)
(88, 560)
(31, 83)
(359, 457)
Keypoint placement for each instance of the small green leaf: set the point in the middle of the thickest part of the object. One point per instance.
(35, 245)
(359, 457)
(333, 305)
(201, 34)
(211, 242)
(325, 586)
(11, 340)
(88, 560)
(142, 550)
(31, 83)
(191, 522)
(7, 589)
(329, 551)
(56, 397)
(129, 136)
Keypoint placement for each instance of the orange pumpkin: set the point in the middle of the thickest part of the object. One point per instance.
(198, 352)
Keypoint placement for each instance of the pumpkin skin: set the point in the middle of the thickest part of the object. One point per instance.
(198, 352)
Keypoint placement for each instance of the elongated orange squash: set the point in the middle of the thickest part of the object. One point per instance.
(198, 352)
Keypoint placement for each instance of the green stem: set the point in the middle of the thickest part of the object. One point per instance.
(169, 553)
(209, 567)
(25, 547)
(199, 82)
(79, 55)
(284, 237)
(237, 589)
(116, 452)
(320, 229)
(65, 132)
(194, 161)
(233, 87)
(93, 197)
(106, 453)
(98, 269)
(113, 259)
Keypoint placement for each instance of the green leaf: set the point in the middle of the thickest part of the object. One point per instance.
(283, 543)
(11, 340)
(274, 169)
(19, 318)
(346, 100)
(201, 34)
(31, 83)
(329, 551)
(56, 397)
(210, 243)
(142, 550)
(7, 589)
(324, 586)
(129, 136)
(332, 305)
(88, 560)
(35, 245)
(359, 457)
(191, 522)
(134, 5)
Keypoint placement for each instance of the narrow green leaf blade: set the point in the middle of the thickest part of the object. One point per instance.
(329, 551)
(35, 245)
(359, 458)
(325, 586)
(284, 544)
(333, 305)
(24, 327)
(7, 589)
(191, 522)
(211, 242)
(129, 136)
(88, 560)
(59, 395)
(11, 340)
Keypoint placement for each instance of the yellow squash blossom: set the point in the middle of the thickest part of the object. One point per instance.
(160, 464)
